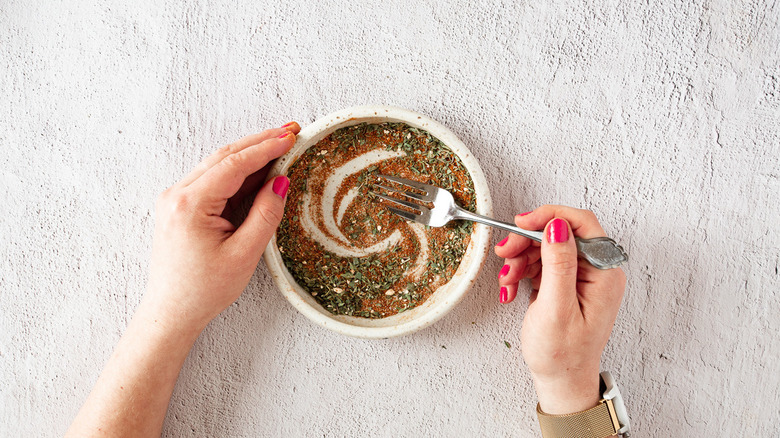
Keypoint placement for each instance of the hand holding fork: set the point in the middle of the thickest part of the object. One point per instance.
(601, 252)
(572, 306)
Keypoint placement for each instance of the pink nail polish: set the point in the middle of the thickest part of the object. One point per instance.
(558, 231)
(281, 184)
(504, 295)
(504, 271)
(503, 242)
(288, 133)
(526, 213)
(287, 125)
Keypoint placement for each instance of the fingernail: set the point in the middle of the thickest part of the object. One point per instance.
(503, 242)
(527, 212)
(281, 184)
(504, 271)
(286, 134)
(504, 294)
(558, 231)
(287, 125)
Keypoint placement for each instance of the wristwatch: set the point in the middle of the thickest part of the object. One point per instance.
(608, 418)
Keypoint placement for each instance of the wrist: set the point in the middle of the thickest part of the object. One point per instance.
(167, 323)
(568, 393)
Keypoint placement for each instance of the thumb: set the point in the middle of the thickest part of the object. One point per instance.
(559, 264)
(264, 217)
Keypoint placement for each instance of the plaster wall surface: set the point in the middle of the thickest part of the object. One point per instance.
(662, 117)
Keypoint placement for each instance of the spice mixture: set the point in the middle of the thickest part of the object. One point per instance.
(342, 245)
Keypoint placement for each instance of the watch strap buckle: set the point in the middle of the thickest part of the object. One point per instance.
(612, 414)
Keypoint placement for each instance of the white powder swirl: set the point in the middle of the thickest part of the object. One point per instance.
(330, 235)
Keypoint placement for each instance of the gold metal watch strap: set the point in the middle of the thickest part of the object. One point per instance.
(598, 422)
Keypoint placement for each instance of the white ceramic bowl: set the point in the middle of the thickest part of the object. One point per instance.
(444, 298)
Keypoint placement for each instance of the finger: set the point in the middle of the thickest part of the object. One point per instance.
(225, 178)
(250, 187)
(507, 293)
(586, 273)
(532, 270)
(536, 282)
(511, 246)
(251, 238)
(601, 292)
(253, 182)
(534, 254)
(240, 145)
(512, 271)
(583, 222)
(559, 266)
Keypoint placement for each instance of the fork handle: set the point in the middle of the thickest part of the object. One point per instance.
(601, 252)
(465, 214)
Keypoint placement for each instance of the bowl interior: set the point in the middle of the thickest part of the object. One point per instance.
(446, 296)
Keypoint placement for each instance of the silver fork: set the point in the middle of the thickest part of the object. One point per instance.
(601, 252)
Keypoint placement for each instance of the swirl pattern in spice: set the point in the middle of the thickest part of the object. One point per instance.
(351, 254)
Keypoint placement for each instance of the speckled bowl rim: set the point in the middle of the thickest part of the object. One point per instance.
(443, 299)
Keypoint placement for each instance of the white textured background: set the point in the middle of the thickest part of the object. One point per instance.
(663, 117)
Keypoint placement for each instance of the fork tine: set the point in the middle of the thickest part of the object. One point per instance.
(412, 195)
(427, 188)
(411, 205)
(404, 214)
